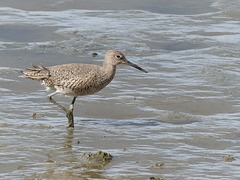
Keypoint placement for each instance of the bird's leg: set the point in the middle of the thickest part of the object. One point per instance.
(72, 104)
(52, 94)
(56, 103)
(69, 113)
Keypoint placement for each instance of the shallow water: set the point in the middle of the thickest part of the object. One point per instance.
(184, 112)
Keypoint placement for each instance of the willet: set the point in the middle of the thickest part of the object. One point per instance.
(77, 79)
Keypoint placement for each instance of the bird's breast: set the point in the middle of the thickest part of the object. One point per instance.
(87, 86)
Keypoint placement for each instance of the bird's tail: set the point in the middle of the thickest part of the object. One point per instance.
(36, 72)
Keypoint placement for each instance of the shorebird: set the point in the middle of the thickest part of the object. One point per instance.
(77, 79)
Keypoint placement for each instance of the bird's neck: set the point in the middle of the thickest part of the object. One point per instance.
(109, 70)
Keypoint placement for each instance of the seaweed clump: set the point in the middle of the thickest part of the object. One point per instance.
(228, 158)
(157, 165)
(156, 178)
(96, 160)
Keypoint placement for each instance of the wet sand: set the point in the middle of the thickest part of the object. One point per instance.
(166, 6)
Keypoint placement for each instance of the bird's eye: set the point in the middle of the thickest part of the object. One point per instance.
(118, 56)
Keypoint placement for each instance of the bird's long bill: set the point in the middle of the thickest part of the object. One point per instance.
(136, 66)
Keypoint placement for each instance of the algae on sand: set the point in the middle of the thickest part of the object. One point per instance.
(96, 160)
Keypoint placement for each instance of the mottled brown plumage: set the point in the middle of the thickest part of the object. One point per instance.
(78, 79)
